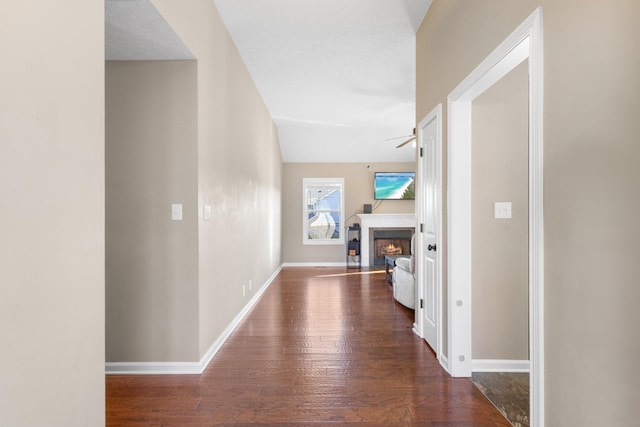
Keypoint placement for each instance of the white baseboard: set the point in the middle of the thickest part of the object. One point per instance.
(215, 347)
(497, 365)
(152, 368)
(315, 264)
(182, 368)
(444, 362)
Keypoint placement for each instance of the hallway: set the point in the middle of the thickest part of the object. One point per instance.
(323, 346)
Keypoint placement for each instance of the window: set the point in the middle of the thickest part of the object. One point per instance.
(323, 210)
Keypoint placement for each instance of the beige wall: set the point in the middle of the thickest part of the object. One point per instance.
(52, 213)
(151, 162)
(592, 237)
(499, 164)
(239, 171)
(358, 179)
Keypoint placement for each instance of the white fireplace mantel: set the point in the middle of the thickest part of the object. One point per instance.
(368, 221)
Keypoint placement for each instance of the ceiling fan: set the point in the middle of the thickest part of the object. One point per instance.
(402, 144)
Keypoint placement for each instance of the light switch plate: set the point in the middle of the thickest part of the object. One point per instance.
(176, 212)
(206, 215)
(502, 210)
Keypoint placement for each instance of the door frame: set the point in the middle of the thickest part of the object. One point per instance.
(526, 42)
(434, 116)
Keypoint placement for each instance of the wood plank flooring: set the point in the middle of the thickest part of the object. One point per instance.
(323, 347)
(508, 391)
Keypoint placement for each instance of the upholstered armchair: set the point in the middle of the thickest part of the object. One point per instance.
(404, 282)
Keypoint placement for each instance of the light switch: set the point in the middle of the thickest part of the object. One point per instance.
(207, 213)
(176, 211)
(502, 210)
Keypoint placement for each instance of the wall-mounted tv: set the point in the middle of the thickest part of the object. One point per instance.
(394, 186)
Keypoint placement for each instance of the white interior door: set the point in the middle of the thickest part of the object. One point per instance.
(429, 241)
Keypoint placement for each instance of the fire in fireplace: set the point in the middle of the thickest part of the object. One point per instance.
(393, 248)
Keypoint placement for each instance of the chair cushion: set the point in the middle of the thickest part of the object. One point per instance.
(404, 263)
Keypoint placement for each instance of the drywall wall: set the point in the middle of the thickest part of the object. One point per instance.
(591, 154)
(151, 163)
(500, 171)
(358, 191)
(52, 213)
(239, 172)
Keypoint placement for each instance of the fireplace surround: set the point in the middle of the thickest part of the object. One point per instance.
(383, 222)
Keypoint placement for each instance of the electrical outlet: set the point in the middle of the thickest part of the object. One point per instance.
(502, 210)
(176, 211)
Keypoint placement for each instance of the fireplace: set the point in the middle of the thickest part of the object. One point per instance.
(373, 221)
(388, 241)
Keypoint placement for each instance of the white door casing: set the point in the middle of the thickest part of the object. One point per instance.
(428, 239)
(524, 43)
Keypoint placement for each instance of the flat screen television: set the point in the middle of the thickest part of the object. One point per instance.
(394, 186)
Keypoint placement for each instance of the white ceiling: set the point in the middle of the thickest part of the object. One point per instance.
(338, 76)
(135, 30)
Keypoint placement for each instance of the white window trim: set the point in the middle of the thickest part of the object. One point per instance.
(305, 223)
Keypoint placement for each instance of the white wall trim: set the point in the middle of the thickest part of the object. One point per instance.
(444, 362)
(152, 368)
(315, 264)
(536, 234)
(182, 368)
(528, 39)
(497, 365)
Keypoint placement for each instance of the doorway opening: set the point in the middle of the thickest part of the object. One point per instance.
(525, 43)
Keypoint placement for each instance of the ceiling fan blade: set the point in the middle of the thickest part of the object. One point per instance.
(397, 137)
(406, 142)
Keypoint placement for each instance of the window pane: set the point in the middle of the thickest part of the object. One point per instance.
(323, 196)
(323, 210)
(323, 226)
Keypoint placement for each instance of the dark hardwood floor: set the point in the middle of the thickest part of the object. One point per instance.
(508, 391)
(323, 347)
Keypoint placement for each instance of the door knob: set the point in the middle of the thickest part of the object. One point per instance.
(431, 247)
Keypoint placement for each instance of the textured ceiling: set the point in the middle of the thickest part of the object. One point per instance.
(135, 30)
(338, 76)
